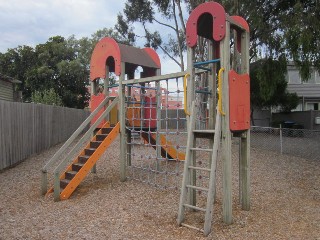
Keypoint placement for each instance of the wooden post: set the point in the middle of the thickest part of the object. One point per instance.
(94, 92)
(158, 100)
(128, 133)
(122, 112)
(244, 161)
(106, 88)
(244, 170)
(226, 133)
(212, 99)
(190, 99)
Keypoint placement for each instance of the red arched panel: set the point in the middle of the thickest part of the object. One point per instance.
(243, 23)
(218, 22)
(154, 56)
(105, 48)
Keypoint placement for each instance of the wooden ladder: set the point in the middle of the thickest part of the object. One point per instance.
(190, 169)
(84, 162)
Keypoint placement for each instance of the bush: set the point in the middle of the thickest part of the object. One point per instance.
(49, 97)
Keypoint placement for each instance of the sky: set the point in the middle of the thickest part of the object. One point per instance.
(31, 22)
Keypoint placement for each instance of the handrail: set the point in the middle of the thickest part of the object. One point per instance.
(185, 93)
(44, 177)
(87, 134)
(85, 137)
(220, 91)
(74, 135)
(160, 77)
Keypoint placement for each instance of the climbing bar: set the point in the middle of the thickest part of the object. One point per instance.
(155, 78)
(206, 62)
(139, 86)
(185, 93)
(204, 92)
(159, 77)
(220, 91)
(113, 85)
(203, 68)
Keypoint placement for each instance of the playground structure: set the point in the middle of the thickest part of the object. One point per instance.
(143, 128)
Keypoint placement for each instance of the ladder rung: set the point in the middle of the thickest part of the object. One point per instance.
(203, 133)
(194, 207)
(201, 169)
(201, 149)
(192, 227)
(197, 188)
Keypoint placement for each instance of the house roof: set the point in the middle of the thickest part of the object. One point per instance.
(8, 79)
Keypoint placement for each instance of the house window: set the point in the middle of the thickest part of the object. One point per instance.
(317, 74)
(312, 106)
(312, 78)
(294, 77)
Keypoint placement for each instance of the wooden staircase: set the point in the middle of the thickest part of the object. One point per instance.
(84, 162)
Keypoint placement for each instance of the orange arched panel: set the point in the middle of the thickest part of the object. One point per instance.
(105, 48)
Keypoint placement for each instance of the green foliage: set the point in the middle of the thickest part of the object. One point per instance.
(269, 85)
(59, 64)
(276, 27)
(49, 97)
(146, 12)
(54, 65)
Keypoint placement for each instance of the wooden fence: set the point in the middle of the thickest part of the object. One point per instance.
(27, 128)
(173, 119)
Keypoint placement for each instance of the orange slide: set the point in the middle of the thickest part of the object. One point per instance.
(167, 148)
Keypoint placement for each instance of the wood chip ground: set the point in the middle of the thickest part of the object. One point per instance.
(285, 203)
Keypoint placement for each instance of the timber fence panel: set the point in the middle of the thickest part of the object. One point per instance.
(27, 128)
(173, 119)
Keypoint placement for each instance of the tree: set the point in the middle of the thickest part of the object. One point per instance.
(56, 64)
(282, 27)
(59, 68)
(269, 86)
(49, 97)
(16, 63)
(143, 12)
(276, 27)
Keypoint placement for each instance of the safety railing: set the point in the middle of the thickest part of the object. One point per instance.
(57, 156)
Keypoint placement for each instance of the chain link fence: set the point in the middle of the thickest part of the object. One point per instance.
(295, 142)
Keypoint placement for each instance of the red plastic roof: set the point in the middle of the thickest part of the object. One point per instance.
(109, 52)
